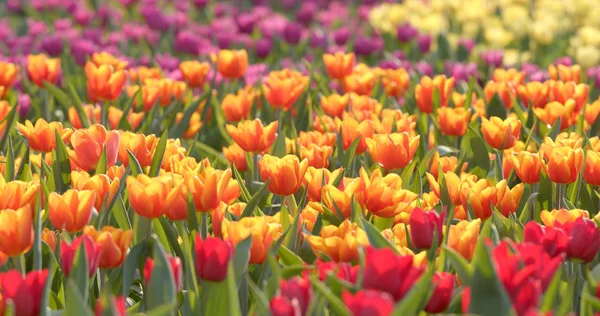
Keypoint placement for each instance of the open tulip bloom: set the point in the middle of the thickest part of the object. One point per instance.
(299, 157)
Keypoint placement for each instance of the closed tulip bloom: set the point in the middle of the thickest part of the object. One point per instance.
(482, 195)
(384, 197)
(283, 88)
(208, 188)
(352, 129)
(103, 82)
(534, 94)
(584, 240)
(561, 91)
(452, 186)
(103, 187)
(264, 231)
(508, 199)
(176, 269)
(253, 136)
(168, 89)
(117, 304)
(316, 178)
(16, 194)
(297, 290)
(8, 75)
(361, 80)
(393, 151)
(463, 237)
(219, 214)
(425, 227)
(335, 104)
(339, 201)
(317, 156)
(501, 134)
(176, 203)
(339, 65)
(368, 302)
(194, 72)
(555, 241)
(446, 163)
(142, 147)
(511, 75)
(41, 136)
(232, 64)
(212, 258)
(285, 175)
(141, 73)
(147, 195)
(591, 172)
(104, 58)
(527, 166)
(395, 82)
(25, 292)
(72, 210)
(339, 243)
(40, 68)
(442, 294)
(555, 110)
(424, 92)
(564, 73)
(49, 236)
(88, 145)
(68, 252)
(115, 115)
(149, 95)
(114, 244)
(91, 111)
(591, 112)
(562, 218)
(16, 231)
(236, 107)
(236, 157)
(506, 91)
(563, 164)
(317, 138)
(281, 306)
(453, 121)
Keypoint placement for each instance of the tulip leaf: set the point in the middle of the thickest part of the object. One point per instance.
(123, 122)
(79, 273)
(57, 93)
(170, 233)
(133, 261)
(191, 210)
(253, 202)
(555, 130)
(443, 47)
(9, 169)
(460, 265)
(279, 148)
(349, 153)
(10, 120)
(496, 107)
(48, 286)
(61, 165)
(375, 238)
(159, 153)
(474, 148)
(76, 303)
(179, 129)
(335, 303)
(161, 287)
(207, 151)
(416, 299)
(259, 301)
(24, 171)
(241, 257)
(234, 301)
(551, 295)
(245, 193)
(287, 257)
(102, 165)
(134, 164)
(215, 296)
(83, 118)
(37, 232)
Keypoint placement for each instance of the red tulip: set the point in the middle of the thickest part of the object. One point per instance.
(25, 292)
(92, 254)
(212, 257)
(423, 225)
(465, 300)
(584, 240)
(298, 291)
(175, 263)
(387, 272)
(442, 294)
(368, 303)
(281, 306)
(554, 240)
(117, 302)
(344, 270)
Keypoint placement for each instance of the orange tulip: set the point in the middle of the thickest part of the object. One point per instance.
(565, 73)
(142, 147)
(115, 115)
(501, 134)
(463, 237)
(150, 95)
(453, 121)
(194, 72)
(324, 124)
(339, 201)
(562, 217)
(506, 92)
(508, 199)
(447, 163)
(148, 195)
(395, 82)
(232, 63)
(533, 93)
(555, 110)
(236, 107)
(560, 91)
(482, 195)
(310, 214)
(393, 151)
(49, 236)
(218, 215)
(208, 188)
(92, 112)
(263, 229)
(104, 58)
(252, 136)
(424, 92)
(591, 112)
(168, 89)
(339, 243)
(88, 145)
(4, 110)
(41, 136)
(41, 68)
(527, 166)
(8, 75)
(176, 202)
(72, 210)
(591, 172)
(283, 88)
(352, 129)
(103, 82)
(339, 65)
(115, 173)
(335, 104)
(194, 124)
(17, 194)
(508, 75)
(16, 231)
(100, 184)
(384, 197)
(113, 243)
(563, 164)
(361, 80)
(285, 175)
(364, 103)
(317, 156)
(141, 73)
(236, 156)
(316, 178)
(317, 138)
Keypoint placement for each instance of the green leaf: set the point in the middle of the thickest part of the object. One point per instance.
(76, 304)
(375, 238)
(234, 305)
(241, 257)
(135, 259)
(335, 303)
(460, 265)
(61, 165)
(10, 120)
(123, 122)
(161, 288)
(349, 153)
(134, 164)
(9, 169)
(555, 130)
(260, 301)
(85, 122)
(79, 273)
(417, 297)
(550, 296)
(287, 257)
(102, 165)
(159, 153)
(58, 94)
(473, 146)
(253, 202)
(179, 129)
(48, 286)
(443, 47)
(279, 148)
(496, 107)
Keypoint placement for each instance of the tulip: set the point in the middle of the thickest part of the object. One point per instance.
(393, 151)
(232, 64)
(426, 226)
(283, 88)
(554, 240)
(49, 237)
(24, 291)
(264, 231)
(533, 93)
(281, 306)
(453, 182)
(368, 302)
(511, 75)
(442, 293)
(16, 231)
(395, 82)
(117, 303)
(194, 124)
(562, 218)
(212, 258)
(315, 179)
(388, 272)
(142, 147)
(92, 112)
(591, 172)
(339, 201)
(194, 72)
(253, 136)
(236, 107)
(40, 68)
(176, 268)
(339, 65)
(41, 136)
(508, 199)
(424, 92)
(463, 237)
(219, 214)
(236, 157)
(384, 197)
(104, 58)
(115, 115)
(506, 91)
(481, 194)
(361, 80)
(113, 243)
(298, 292)
(103, 187)
(564, 73)
(208, 188)
(527, 166)
(339, 243)
(335, 104)
(147, 195)
(563, 164)
(285, 175)
(453, 121)
(8, 75)
(168, 89)
(317, 156)
(72, 210)
(352, 129)
(17, 194)
(149, 95)
(555, 110)
(317, 138)
(92, 254)
(501, 134)
(88, 145)
(446, 163)
(584, 240)
(342, 270)
(141, 73)
(103, 82)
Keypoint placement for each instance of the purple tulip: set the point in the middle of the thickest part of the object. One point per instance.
(224, 39)
(167, 62)
(364, 46)
(529, 68)
(424, 68)
(263, 47)
(566, 61)
(200, 3)
(187, 42)
(540, 76)
(493, 58)
(292, 33)
(82, 49)
(24, 102)
(306, 13)
(52, 45)
(246, 23)
(155, 18)
(83, 17)
(318, 40)
(127, 3)
(406, 33)
(424, 43)
(341, 36)
(467, 43)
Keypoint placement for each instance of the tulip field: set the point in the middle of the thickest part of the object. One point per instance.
(292, 158)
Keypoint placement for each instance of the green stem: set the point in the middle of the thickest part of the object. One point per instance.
(20, 264)
(559, 196)
(499, 165)
(255, 166)
(204, 224)
(46, 106)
